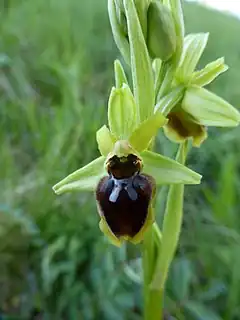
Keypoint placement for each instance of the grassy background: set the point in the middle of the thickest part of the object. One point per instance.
(56, 67)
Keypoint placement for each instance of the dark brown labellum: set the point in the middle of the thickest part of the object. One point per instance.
(124, 196)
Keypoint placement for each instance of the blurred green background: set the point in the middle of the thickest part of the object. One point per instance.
(56, 63)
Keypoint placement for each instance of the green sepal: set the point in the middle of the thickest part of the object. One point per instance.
(120, 76)
(161, 37)
(146, 131)
(167, 171)
(209, 73)
(84, 179)
(194, 45)
(122, 112)
(209, 109)
(142, 74)
(105, 140)
(118, 32)
(171, 227)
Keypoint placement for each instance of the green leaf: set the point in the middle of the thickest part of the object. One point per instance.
(209, 109)
(122, 112)
(84, 179)
(143, 134)
(224, 200)
(118, 32)
(167, 171)
(194, 45)
(214, 290)
(233, 285)
(209, 73)
(141, 8)
(180, 278)
(199, 312)
(142, 74)
(120, 76)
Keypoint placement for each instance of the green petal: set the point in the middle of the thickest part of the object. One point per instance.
(147, 130)
(194, 45)
(142, 74)
(209, 73)
(122, 112)
(84, 179)
(118, 32)
(209, 109)
(105, 140)
(167, 171)
(120, 76)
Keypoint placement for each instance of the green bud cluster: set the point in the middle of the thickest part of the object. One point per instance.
(157, 25)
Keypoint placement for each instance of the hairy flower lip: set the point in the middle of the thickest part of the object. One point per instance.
(124, 203)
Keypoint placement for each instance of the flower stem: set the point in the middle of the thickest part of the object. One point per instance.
(153, 299)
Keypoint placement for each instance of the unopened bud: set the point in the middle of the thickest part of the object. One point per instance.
(122, 20)
(161, 37)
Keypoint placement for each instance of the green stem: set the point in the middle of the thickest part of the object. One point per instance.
(157, 259)
(160, 78)
(172, 224)
(153, 299)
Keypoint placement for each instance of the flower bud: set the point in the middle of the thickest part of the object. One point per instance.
(161, 37)
(121, 16)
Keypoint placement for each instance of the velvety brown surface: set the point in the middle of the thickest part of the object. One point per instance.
(179, 122)
(124, 215)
